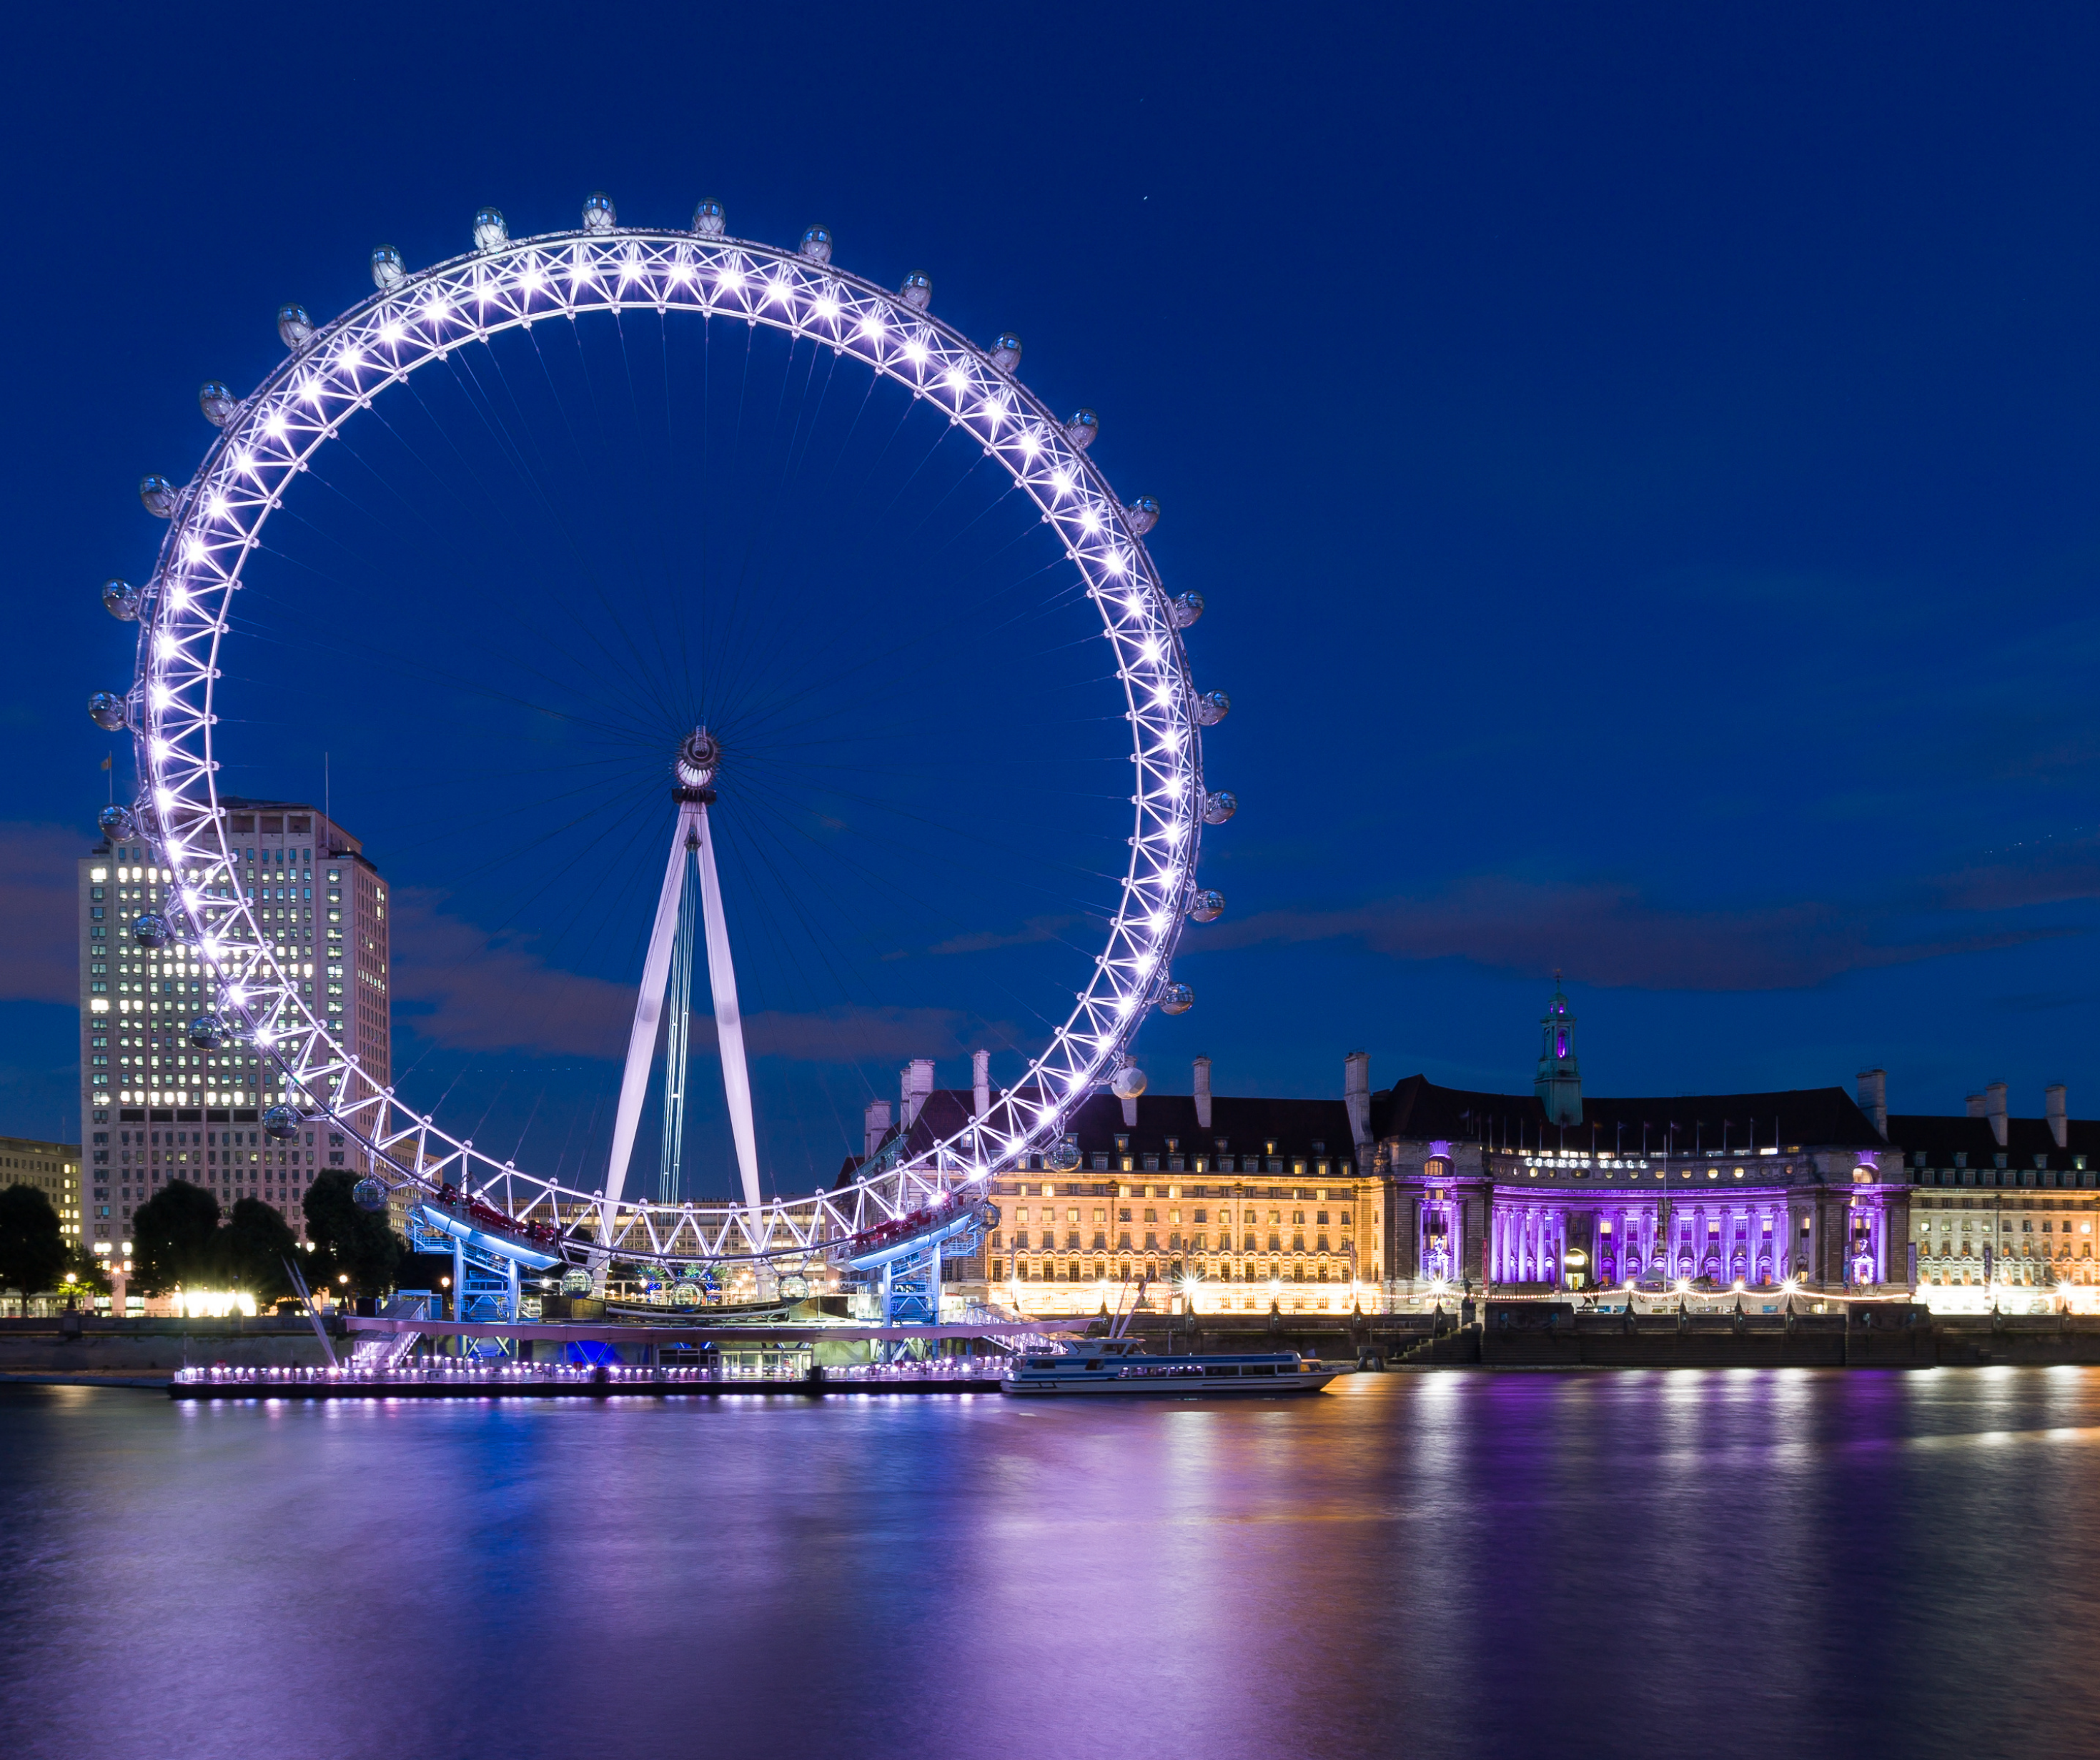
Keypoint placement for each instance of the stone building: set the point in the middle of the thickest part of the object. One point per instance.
(2000, 1200)
(1227, 1204)
(1557, 1189)
(53, 1169)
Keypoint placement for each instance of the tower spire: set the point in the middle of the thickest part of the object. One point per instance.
(1559, 1084)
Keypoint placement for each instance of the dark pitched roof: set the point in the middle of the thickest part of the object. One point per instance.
(1420, 1110)
(1942, 1137)
(1238, 1125)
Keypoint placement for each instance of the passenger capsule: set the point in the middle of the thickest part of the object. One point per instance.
(280, 1123)
(1176, 999)
(158, 496)
(708, 219)
(1006, 351)
(1142, 514)
(367, 1193)
(599, 215)
(1128, 1081)
(1212, 706)
(120, 599)
(576, 1281)
(387, 267)
(295, 329)
(816, 243)
(917, 291)
(1187, 608)
(1206, 907)
(207, 1032)
(151, 930)
(106, 709)
(116, 822)
(1083, 430)
(1220, 807)
(216, 401)
(1063, 1155)
(490, 233)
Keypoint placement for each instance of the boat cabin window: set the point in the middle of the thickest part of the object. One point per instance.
(1043, 1362)
(1096, 1363)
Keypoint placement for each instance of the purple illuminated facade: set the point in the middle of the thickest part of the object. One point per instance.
(1554, 1191)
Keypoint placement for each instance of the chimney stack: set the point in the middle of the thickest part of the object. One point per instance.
(916, 1079)
(1357, 1098)
(874, 1125)
(1994, 1110)
(1203, 1093)
(980, 1084)
(1975, 1106)
(1874, 1098)
(2059, 1121)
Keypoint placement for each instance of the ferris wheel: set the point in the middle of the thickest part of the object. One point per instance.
(180, 706)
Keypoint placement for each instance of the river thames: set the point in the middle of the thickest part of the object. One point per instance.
(1733, 1562)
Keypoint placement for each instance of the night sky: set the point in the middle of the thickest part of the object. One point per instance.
(1639, 460)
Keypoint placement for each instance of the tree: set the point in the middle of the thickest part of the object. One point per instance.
(175, 1239)
(32, 1248)
(346, 1238)
(253, 1247)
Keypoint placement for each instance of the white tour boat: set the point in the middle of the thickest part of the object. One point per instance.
(1116, 1365)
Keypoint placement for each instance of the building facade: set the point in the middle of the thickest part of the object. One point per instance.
(1557, 1189)
(2001, 1202)
(53, 1169)
(158, 1108)
(1225, 1204)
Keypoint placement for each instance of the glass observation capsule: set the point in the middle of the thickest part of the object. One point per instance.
(816, 243)
(367, 1193)
(1187, 608)
(1083, 430)
(1127, 1083)
(295, 329)
(207, 1032)
(218, 403)
(1219, 806)
(106, 709)
(686, 1293)
(151, 930)
(280, 1123)
(120, 599)
(1006, 351)
(1176, 999)
(1212, 706)
(490, 233)
(599, 214)
(116, 821)
(1143, 514)
(708, 220)
(917, 291)
(1206, 907)
(387, 267)
(1063, 1155)
(576, 1281)
(158, 496)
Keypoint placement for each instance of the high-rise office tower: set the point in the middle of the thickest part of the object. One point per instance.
(159, 1108)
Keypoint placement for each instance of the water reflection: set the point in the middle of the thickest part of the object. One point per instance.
(1733, 1562)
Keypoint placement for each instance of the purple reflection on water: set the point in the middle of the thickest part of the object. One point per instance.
(1732, 1562)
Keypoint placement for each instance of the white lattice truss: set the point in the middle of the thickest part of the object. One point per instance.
(218, 520)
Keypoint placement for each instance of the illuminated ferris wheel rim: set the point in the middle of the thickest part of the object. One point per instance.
(412, 320)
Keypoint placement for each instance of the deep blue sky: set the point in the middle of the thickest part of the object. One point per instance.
(1640, 461)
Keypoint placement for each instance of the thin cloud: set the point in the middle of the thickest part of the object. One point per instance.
(40, 959)
(454, 987)
(1035, 930)
(1618, 937)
